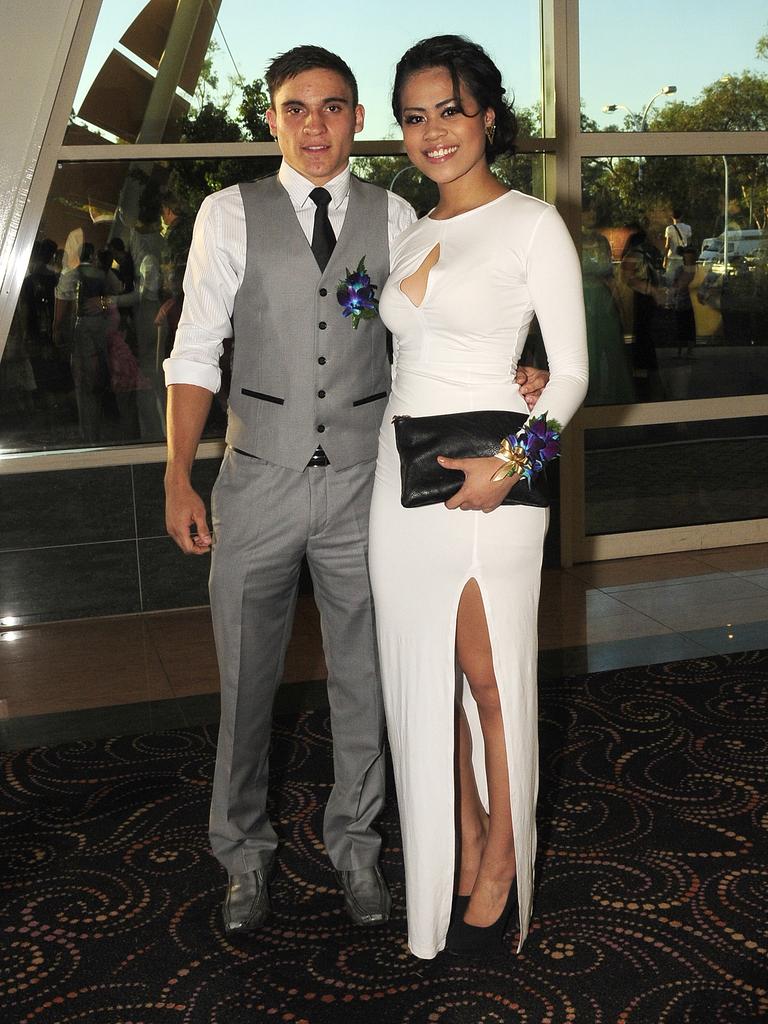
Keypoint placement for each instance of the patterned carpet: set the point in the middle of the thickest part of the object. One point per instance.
(651, 904)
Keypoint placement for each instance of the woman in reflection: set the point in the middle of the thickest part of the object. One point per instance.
(641, 269)
(94, 282)
(456, 586)
(682, 278)
(610, 372)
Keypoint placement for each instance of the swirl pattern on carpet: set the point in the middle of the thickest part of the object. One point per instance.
(651, 898)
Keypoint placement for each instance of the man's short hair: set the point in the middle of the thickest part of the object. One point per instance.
(169, 201)
(307, 58)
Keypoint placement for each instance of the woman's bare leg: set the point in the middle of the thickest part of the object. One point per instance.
(497, 865)
(472, 821)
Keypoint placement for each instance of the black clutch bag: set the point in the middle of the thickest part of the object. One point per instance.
(459, 435)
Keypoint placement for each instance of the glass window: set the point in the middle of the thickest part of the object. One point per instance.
(675, 474)
(675, 259)
(214, 66)
(77, 370)
(523, 172)
(74, 375)
(692, 66)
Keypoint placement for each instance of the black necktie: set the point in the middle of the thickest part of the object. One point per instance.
(323, 238)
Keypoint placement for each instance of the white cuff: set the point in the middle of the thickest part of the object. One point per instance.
(189, 371)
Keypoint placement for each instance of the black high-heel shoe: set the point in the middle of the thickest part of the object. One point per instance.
(469, 939)
(459, 905)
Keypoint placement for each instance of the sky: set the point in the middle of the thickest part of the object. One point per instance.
(628, 49)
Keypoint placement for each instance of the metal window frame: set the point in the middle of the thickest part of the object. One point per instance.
(564, 146)
(573, 146)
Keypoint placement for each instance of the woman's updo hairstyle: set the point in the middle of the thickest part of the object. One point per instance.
(465, 62)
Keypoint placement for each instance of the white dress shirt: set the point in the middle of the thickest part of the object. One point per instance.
(216, 264)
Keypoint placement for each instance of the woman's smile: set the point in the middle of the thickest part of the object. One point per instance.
(440, 154)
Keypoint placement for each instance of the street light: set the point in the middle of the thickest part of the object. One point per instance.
(726, 203)
(641, 120)
(408, 167)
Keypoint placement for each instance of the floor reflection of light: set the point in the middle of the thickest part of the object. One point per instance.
(10, 636)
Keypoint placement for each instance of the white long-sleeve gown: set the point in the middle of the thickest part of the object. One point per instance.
(458, 350)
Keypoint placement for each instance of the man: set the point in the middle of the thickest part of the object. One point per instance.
(306, 399)
(677, 235)
(176, 238)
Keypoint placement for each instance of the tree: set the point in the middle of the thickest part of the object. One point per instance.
(733, 103)
(644, 191)
(761, 47)
(252, 112)
(515, 171)
(192, 180)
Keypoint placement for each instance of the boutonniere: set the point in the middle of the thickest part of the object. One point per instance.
(355, 295)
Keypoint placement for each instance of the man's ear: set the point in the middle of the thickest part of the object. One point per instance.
(359, 117)
(272, 122)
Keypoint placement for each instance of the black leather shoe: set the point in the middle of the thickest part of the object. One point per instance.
(366, 896)
(247, 905)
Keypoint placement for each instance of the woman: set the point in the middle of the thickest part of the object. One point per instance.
(641, 265)
(456, 590)
(94, 284)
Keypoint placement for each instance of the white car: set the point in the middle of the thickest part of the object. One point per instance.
(741, 242)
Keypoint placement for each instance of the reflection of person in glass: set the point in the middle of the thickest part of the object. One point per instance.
(94, 281)
(454, 587)
(741, 296)
(306, 401)
(641, 267)
(37, 304)
(177, 237)
(685, 323)
(65, 309)
(176, 240)
(677, 235)
(136, 356)
(610, 374)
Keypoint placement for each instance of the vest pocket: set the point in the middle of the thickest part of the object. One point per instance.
(264, 398)
(370, 398)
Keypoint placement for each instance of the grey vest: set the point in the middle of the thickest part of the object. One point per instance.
(301, 375)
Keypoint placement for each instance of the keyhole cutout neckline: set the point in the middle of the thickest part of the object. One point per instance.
(419, 279)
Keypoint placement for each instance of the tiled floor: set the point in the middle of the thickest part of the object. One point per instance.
(136, 673)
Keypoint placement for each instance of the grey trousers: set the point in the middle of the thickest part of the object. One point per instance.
(265, 518)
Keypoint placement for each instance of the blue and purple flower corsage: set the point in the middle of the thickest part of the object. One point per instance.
(537, 442)
(355, 295)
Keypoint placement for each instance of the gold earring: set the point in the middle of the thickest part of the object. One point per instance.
(490, 131)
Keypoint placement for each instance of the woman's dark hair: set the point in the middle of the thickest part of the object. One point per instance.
(465, 62)
(307, 58)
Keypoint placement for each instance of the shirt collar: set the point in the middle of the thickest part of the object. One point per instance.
(298, 187)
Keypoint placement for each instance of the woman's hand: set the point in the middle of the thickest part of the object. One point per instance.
(478, 493)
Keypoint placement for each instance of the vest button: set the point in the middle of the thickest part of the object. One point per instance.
(323, 292)
(320, 428)
(321, 394)
(321, 360)
(322, 325)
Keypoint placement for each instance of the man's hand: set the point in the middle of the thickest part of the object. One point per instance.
(187, 409)
(185, 517)
(478, 493)
(532, 382)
